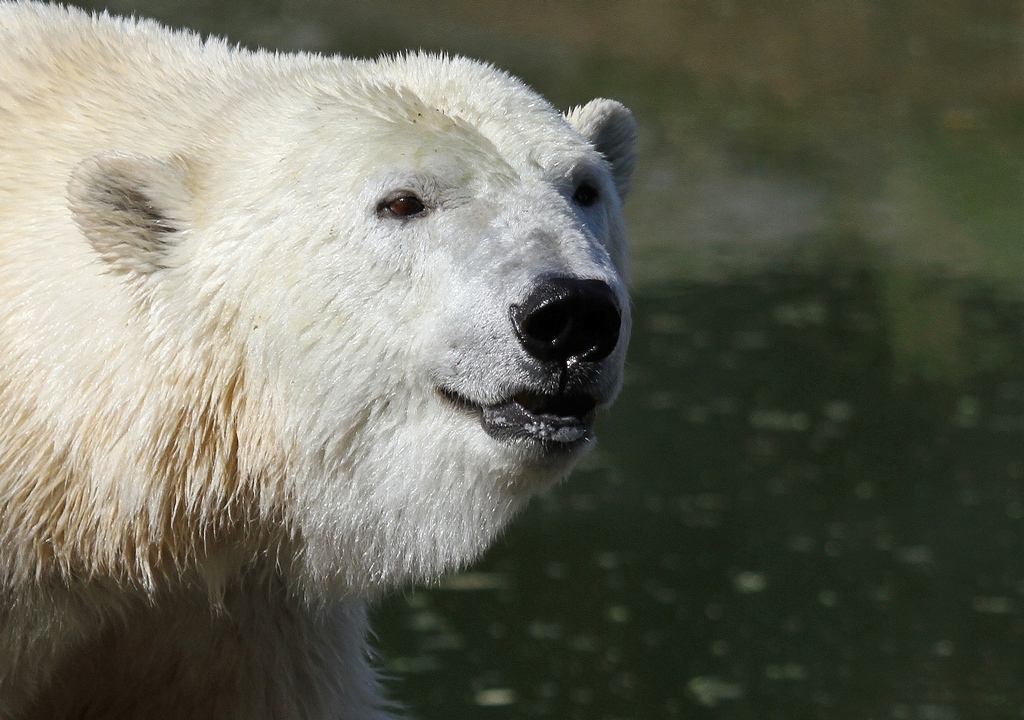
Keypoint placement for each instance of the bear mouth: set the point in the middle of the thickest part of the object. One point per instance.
(557, 422)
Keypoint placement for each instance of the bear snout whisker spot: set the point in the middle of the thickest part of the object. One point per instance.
(567, 320)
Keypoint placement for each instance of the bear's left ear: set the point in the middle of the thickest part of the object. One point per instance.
(131, 208)
(610, 126)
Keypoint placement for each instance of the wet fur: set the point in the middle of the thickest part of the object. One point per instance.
(219, 435)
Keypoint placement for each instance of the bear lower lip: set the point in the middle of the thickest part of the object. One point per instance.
(557, 422)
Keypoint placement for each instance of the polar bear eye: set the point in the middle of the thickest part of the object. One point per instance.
(585, 195)
(403, 206)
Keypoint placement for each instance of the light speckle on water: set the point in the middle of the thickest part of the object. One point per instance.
(936, 711)
(495, 697)
(724, 406)
(802, 543)
(915, 555)
(617, 613)
(664, 595)
(801, 314)
(884, 542)
(582, 502)
(786, 671)
(697, 414)
(968, 496)
(547, 690)
(968, 412)
(882, 593)
(555, 570)
(426, 621)
(711, 691)
(1009, 424)
(476, 581)
(660, 400)
(749, 340)
(417, 600)
(993, 605)
(838, 411)
(413, 665)
(584, 643)
(583, 696)
(750, 581)
(668, 324)
(779, 420)
(864, 490)
(444, 641)
(540, 630)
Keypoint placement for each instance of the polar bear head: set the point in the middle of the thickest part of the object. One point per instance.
(418, 265)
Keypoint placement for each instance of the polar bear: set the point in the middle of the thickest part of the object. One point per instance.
(277, 333)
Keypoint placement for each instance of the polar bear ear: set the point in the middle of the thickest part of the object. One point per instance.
(131, 208)
(609, 125)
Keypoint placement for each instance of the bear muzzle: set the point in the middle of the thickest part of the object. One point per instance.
(568, 326)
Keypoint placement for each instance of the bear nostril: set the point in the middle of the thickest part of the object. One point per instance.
(567, 319)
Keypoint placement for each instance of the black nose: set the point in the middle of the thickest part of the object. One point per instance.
(568, 319)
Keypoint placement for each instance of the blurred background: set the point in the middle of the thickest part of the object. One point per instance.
(809, 500)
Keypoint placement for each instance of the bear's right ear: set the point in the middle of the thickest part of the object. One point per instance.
(131, 208)
(610, 126)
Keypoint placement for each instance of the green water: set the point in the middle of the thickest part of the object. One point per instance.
(809, 501)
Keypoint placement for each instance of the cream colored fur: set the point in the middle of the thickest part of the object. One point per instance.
(220, 432)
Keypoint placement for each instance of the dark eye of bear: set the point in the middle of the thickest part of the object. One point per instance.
(403, 206)
(585, 195)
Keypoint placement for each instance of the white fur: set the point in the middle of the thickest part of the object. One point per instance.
(219, 425)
